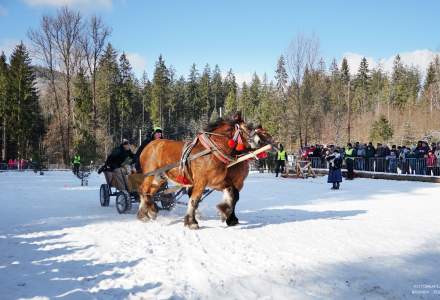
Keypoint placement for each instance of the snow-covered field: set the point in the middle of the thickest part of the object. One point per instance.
(373, 239)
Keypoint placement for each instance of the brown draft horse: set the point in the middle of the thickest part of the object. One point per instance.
(205, 171)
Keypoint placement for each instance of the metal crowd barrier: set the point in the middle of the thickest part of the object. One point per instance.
(413, 166)
(27, 167)
(410, 166)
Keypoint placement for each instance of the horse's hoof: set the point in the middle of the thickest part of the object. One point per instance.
(193, 226)
(152, 215)
(142, 216)
(190, 222)
(224, 210)
(232, 221)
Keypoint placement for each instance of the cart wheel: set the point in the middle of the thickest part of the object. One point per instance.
(123, 202)
(167, 201)
(104, 195)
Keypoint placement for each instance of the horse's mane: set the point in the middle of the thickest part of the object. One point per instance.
(217, 123)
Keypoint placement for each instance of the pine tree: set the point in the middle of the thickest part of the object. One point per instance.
(125, 97)
(254, 94)
(307, 99)
(4, 103)
(399, 96)
(217, 91)
(412, 85)
(181, 115)
(160, 93)
(379, 89)
(322, 100)
(381, 130)
(281, 78)
(82, 96)
(230, 90)
(231, 103)
(362, 88)
(192, 93)
(206, 103)
(345, 71)
(25, 109)
(337, 101)
(269, 111)
(244, 103)
(84, 141)
(107, 86)
(146, 96)
(430, 76)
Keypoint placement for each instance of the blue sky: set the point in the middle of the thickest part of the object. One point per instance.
(246, 36)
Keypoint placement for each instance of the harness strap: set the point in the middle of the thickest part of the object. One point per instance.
(209, 144)
(237, 133)
(184, 159)
(176, 164)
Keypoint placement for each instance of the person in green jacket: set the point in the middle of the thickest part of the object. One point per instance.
(281, 161)
(349, 161)
(76, 163)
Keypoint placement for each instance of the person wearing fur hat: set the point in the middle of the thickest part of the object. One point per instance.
(334, 159)
(155, 135)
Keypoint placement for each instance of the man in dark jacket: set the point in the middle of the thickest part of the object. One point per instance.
(155, 135)
(420, 150)
(119, 155)
(380, 158)
(113, 165)
(370, 152)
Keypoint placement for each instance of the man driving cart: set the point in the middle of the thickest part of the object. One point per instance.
(113, 167)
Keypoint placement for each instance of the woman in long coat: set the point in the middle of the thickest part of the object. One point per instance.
(334, 159)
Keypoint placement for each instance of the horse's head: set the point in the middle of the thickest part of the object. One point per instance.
(242, 136)
(235, 133)
(251, 137)
(257, 136)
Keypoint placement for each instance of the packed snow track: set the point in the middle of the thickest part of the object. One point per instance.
(297, 239)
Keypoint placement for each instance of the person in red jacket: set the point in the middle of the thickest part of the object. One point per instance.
(431, 163)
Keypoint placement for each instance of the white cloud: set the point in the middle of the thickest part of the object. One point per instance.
(3, 11)
(137, 62)
(243, 77)
(240, 77)
(8, 45)
(419, 59)
(76, 3)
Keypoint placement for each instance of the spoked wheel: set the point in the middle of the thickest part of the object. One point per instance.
(104, 195)
(167, 201)
(123, 202)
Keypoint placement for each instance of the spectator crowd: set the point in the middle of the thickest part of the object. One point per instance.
(422, 159)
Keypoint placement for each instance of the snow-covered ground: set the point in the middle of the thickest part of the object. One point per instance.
(373, 239)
